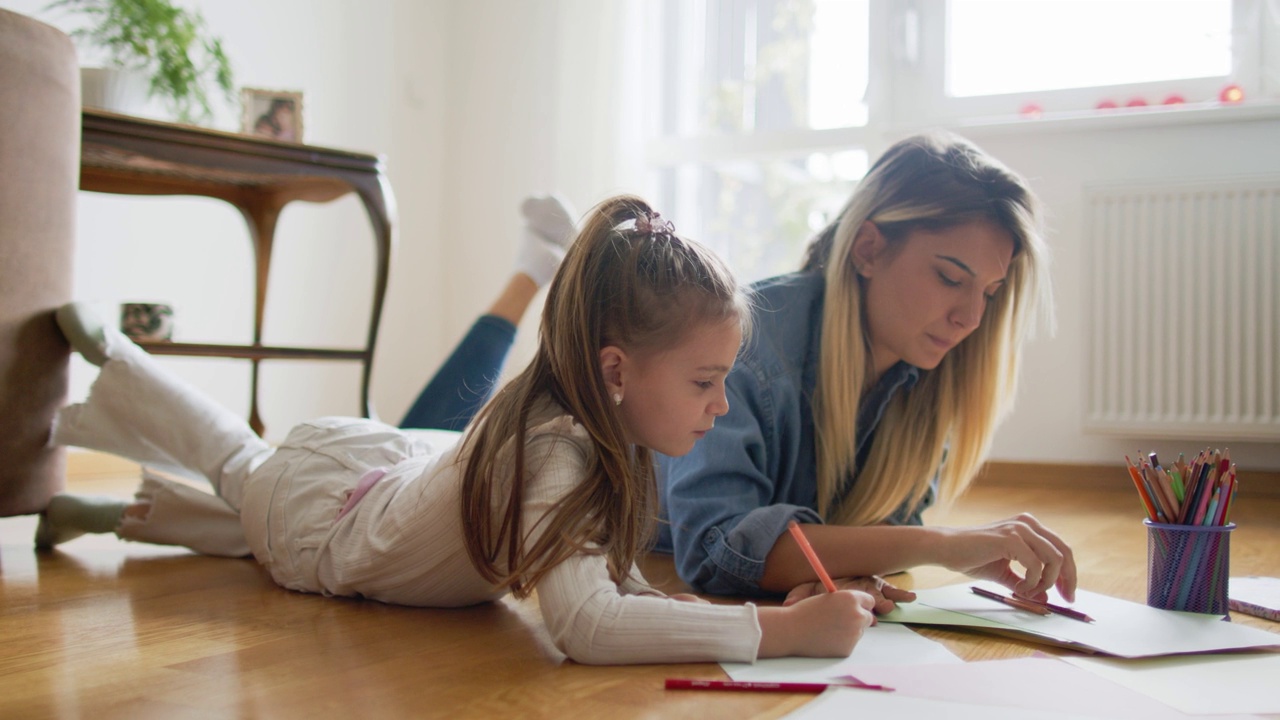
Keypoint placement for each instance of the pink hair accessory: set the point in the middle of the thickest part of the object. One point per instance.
(653, 224)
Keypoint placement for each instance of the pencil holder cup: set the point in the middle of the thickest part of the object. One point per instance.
(1188, 567)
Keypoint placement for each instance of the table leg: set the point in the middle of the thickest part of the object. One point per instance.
(261, 213)
(380, 204)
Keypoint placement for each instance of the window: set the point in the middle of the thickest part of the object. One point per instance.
(995, 57)
(757, 98)
(1111, 43)
(766, 112)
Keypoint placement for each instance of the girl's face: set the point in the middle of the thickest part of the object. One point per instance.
(927, 293)
(671, 398)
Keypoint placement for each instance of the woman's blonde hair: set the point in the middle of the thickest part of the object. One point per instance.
(930, 182)
(627, 281)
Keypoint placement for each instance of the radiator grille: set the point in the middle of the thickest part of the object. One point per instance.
(1184, 312)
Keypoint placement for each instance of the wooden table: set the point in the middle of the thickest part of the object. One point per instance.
(134, 156)
(107, 629)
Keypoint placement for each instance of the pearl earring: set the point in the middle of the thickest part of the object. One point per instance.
(617, 398)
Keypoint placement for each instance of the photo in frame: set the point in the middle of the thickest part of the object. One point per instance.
(274, 114)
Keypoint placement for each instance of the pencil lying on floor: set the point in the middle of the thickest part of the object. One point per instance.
(793, 687)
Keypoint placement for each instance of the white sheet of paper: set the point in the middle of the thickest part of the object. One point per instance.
(844, 704)
(1263, 592)
(1035, 683)
(1199, 684)
(881, 644)
(1122, 628)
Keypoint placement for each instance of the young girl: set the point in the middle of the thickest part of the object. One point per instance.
(876, 378)
(551, 487)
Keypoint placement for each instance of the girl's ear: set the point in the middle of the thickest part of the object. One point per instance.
(868, 247)
(612, 362)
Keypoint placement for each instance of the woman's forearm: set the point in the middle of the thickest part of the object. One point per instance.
(1018, 552)
(850, 552)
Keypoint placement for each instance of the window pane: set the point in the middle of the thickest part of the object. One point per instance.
(760, 215)
(743, 66)
(838, 64)
(1008, 46)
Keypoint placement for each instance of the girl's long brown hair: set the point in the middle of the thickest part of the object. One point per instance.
(627, 281)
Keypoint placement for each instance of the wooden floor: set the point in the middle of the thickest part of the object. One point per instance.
(106, 629)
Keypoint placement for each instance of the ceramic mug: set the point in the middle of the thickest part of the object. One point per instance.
(147, 322)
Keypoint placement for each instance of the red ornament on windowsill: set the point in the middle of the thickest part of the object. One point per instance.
(1031, 111)
(1107, 104)
(1174, 99)
(1231, 94)
(1136, 102)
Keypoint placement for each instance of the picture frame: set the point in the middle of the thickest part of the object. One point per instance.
(272, 114)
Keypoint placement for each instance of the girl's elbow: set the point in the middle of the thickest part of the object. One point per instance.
(582, 650)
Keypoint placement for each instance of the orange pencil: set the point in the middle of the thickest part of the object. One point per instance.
(1160, 495)
(1137, 482)
(811, 556)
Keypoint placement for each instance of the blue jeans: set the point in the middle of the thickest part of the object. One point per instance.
(464, 383)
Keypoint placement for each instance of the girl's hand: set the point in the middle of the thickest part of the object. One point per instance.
(687, 597)
(987, 552)
(826, 625)
(885, 594)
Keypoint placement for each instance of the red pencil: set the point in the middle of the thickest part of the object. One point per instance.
(791, 687)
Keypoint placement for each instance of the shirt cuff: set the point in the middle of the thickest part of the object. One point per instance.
(739, 554)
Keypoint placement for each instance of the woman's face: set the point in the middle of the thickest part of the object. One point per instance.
(927, 293)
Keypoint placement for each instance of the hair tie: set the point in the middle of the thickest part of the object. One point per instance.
(653, 224)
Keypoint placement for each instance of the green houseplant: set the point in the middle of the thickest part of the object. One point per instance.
(171, 45)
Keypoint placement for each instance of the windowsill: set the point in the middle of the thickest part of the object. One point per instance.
(675, 151)
(1122, 118)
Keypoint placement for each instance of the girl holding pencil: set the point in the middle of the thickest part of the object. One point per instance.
(551, 487)
(873, 383)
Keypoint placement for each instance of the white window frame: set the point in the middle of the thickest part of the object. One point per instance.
(906, 87)
(919, 73)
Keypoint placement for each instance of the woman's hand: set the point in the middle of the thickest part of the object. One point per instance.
(687, 597)
(885, 594)
(826, 625)
(986, 552)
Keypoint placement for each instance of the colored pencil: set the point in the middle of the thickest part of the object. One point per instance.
(791, 687)
(1142, 494)
(811, 556)
(1015, 602)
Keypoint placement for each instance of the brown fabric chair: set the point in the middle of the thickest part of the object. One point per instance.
(39, 174)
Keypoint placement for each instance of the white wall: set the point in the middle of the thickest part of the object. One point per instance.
(477, 103)
(196, 253)
(474, 104)
(1060, 161)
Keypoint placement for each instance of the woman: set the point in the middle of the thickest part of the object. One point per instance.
(875, 380)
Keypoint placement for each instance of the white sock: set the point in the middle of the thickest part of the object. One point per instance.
(69, 516)
(549, 228)
(552, 217)
(538, 258)
(87, 333)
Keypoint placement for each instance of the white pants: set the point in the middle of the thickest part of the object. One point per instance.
(137, 410)
(182, 515)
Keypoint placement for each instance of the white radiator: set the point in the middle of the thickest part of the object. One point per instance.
(1183, 326)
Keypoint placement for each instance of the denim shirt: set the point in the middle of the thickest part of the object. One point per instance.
(729, 499)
